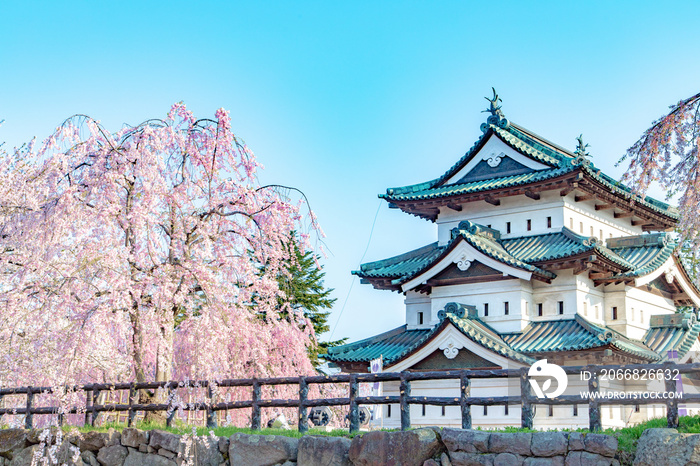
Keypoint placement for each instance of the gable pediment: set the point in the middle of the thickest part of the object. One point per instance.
(495, 159)
(475, 273)
(463, 359)
(464, 256)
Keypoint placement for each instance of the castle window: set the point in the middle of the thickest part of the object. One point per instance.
(388, 410)
(641, 315)
(601, 234)
(529, 224)
(571, 223)
(580, 227)
(507, 227)
(585, 308)
(636, 408)
(539, 309)
(486, 410)
(551, 411)
(549, 222)
(592, 231)
(596, 312)
(420, 318)
(505, 410)
(423, 409)
(614, 313)
(443, 410)
(560, 304)
(506, 308)
(486, 309)
(575, 410)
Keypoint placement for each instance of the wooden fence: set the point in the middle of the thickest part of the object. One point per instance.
(526, 400)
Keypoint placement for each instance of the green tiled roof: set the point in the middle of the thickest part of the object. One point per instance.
(560, 161)
(538, 337)
(400, 342)
(679, 335)
(645, 252)
(392, 346)
(550, 246)
(573, 335)
(406, 266)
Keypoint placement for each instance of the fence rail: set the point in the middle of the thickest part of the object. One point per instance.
(526, 400)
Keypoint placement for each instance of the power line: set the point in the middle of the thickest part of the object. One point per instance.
(352, 281)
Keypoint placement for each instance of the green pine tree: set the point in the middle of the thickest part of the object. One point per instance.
(303, 289)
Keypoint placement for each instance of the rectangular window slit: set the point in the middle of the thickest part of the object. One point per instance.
(614, 313)
(539, 309)
(506, 308)
(529, 224)
(420, 318)
(507, 227)
(549, 222)
(443, 410)
(560, 304)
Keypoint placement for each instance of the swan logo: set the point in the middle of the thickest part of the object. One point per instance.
(544, 369)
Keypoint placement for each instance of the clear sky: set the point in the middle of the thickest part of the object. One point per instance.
(344, 100)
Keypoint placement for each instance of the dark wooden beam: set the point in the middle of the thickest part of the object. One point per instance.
(599, 275)
(623, 214)
(586, 197)
(604, 206)
(568, 189)
(532, 194)
(638, 222)
(455, 207)
(492, 201)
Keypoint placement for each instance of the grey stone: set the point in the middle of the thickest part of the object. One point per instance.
(594, 459)
(24, 457)
(34, 435)
(666, 447)
(430, 462)
(166, 453)
(261, 450)
(134, 437)
(573, 458)
(445, 460)
(144, 448)
(463, 458)
(407, 448)
(548, 444)
(93, 441)
(324, 451)
(575, 441)
(89, 457)
(136, 458)
(223, 445)
(12, 440)
(602, 444)
(161, 439)
(507, 459)
(516, 443)
(204, 452)
(113, 455)
(468, 441)
(551, 461)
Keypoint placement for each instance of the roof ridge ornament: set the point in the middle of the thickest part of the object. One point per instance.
(497, 118)
(582, 155)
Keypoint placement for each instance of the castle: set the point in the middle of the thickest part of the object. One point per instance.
(539, 255)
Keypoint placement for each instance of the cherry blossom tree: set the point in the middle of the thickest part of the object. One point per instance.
(669, 153)
(136, 255)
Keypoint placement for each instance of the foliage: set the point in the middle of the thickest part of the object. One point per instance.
(669, 153)
(301, 284)
(134, 255)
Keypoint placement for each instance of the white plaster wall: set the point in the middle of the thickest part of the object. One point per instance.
(514, 209)
(518, 294)
(415, 303)
(582, 216)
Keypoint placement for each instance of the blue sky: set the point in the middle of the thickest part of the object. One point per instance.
(343, 100)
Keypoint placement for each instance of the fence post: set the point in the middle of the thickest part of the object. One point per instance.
(303, 425)
(255, 421)
(354, 414)
(211, 414)
(671, 403)
(464, 391)
(28, 417)
(171, 411)
(593, 404)
(404, 393)
(526, 412)
(132, 411)
(95, 399)
(88, 406)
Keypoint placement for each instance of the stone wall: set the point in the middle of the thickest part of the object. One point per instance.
(420, 447)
